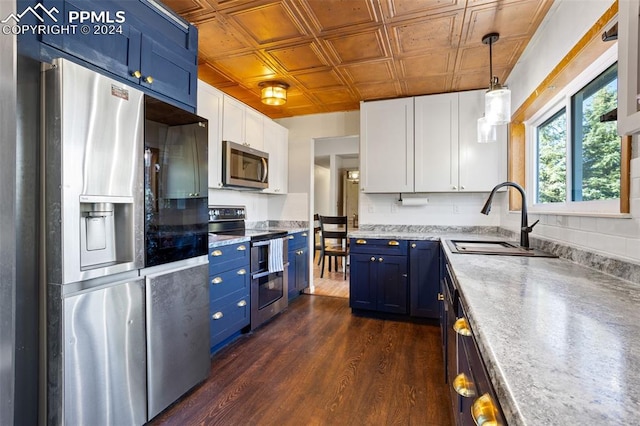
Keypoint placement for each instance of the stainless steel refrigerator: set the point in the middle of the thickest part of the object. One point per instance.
(105, 313)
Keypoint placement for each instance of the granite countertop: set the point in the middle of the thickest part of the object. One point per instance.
(217, 240)
(558, 338)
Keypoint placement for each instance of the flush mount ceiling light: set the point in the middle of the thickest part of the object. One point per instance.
(497, 100)
(273, 92)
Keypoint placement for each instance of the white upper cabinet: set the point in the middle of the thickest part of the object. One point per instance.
(628, 77)
(276, 143)
(429, 144)
(386, 146)
(242, 124)
(436, 143)
(210, 107)
(481, 166)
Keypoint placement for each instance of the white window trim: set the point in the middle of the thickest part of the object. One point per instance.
(563, 99)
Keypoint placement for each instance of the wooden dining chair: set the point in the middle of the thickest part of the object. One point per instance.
(334, 241)
(317, 239)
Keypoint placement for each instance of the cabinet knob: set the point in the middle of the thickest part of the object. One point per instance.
(242, 304)
(454, 187)
(380, 259)
(414, 245)
(136, 74)
(148, 79)
(217, 316)
(373, 259)
(304, 234)
(461, 327)
(242, 271)
(484, 411)
(216, 253)
(462, 187)
(291, 237)
(464, 386)
(440, 296)
(219, 184)
(216, 280)
(242, 248)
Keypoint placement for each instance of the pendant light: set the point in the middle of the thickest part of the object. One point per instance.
(486, 132)
(497, 100)
(273, 92)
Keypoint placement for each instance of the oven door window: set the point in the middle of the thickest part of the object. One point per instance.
(270, 289)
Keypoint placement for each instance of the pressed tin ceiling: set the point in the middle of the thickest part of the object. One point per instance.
(335, 53)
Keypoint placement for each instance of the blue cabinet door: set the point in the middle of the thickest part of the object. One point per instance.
(424, 273)
(292, 275)
(302, 269)
(363, 288)
(392, 284)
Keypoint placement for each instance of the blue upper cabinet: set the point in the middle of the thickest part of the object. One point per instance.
(137, 42)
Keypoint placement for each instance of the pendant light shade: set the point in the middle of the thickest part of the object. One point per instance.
(497, 109)
(273, 92)
(486, 132)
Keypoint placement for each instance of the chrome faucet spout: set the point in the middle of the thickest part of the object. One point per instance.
(525, 229)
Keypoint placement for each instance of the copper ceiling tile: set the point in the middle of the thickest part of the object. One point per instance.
(432, 84)
(382, 90)
(298, 58)
(269, 23)
(334, 96)
(476, 80)
(476, 58)
(185, 7)
(245, 67)
(425, 65)
(320, 79)
(329, 15)
(212, 76)
(361, 46)
(339, 107)
(368, 72)
(423, 35)
(408, 8)
(217, 39)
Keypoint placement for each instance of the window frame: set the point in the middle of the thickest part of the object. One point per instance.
(563, 100)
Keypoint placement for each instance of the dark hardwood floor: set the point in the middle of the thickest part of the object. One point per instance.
(318, 364)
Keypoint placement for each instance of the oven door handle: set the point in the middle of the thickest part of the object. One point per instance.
(265, 273)
(260, 243)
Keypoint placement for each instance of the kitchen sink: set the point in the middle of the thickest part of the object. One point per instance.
(504, 248)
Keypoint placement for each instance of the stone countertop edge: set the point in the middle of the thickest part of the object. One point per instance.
(225, 240)
(558, 338)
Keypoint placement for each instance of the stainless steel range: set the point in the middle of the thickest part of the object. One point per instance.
(268, 260)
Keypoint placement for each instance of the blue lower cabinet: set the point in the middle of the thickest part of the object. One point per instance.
(379, 278)
(229, 316)
(424, 281)
(231, 281)
(298, 269)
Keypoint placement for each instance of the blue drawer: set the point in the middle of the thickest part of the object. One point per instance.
(298, 240)
(388, 247)
(228, 316)
(230, 281)
(228, 257)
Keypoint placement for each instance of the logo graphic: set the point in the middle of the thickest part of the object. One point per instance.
(32, 10)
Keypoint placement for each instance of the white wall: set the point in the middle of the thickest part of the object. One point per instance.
(561, 29)
(321, 193)
(256, 203)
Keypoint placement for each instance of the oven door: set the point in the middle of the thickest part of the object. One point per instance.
(268, 288)
(244, 166)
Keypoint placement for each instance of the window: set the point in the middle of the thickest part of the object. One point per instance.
(576, 156)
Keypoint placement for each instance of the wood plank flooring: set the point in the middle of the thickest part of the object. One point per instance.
(332, 284)
(318, 364)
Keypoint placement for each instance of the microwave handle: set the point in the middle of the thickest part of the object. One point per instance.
(265, 169)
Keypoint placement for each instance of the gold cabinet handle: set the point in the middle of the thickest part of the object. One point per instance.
(217, 315)
(242, 304)
(216, 253)
(361, 241)
(484, 411)
(393, 243)
(242, 248)
(242, 271)
(216, 280)
(462, 327)
(414, 245)
(304, 234)
(291, 237)
(136, 74)
(464, 386)
(440, 296)
(148, 79)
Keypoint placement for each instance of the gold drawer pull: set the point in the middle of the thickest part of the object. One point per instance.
(148, 79)
(361, 241)
(216, 253)
(304, 234)
(414, 245)
(464, 386)
(291, 237)
(216, 280)
(461, 327)
(393, 243)
(242, 304)
(242, 248)
(484, 411)
(242, 271)
(136, 74)
(217, 315)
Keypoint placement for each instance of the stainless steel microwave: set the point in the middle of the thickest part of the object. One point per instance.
(244, 167)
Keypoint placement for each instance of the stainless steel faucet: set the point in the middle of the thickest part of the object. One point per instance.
(525, 229)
